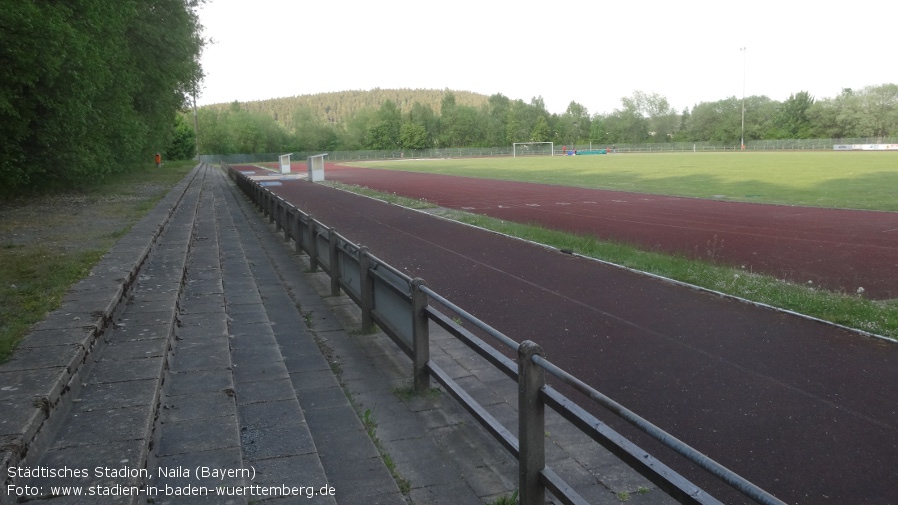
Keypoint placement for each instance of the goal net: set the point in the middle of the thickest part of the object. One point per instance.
(533, 149)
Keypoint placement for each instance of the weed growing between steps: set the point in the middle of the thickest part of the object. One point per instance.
(367, 417)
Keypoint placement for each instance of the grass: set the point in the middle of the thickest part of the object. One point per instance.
(877, 317)
(370, 424)
(33, 280)
(510, 499)
(48, 242)
(855, 180)
(366, 417)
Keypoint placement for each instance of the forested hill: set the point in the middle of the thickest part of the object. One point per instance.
(338, 107)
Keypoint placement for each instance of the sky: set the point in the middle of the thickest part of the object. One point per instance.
(588, 51)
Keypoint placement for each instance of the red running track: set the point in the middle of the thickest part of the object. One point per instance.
(806, 410)
(840, 250)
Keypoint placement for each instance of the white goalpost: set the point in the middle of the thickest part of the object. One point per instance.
(284, 163)
(533, 149)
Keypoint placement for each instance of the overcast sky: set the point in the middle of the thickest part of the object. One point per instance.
(592, 52)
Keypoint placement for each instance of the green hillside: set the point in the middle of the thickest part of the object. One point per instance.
(338, 107)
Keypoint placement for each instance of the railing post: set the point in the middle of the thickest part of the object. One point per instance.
(298, 224)
(334, 260)
(420, 337)
(285, 221)
(288, 223)
(270, 197)
(531, 426)
(366, 289)
(313, 245)
(278, 219)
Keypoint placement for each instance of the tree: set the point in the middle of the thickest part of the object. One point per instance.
(541, 131)
(573, 123)
(183, 140)
(383, 132)
(310, 133)
(881, 106)
(497, 113)
(88, 87)
(424, 116)
(792, 120)
(413, 136)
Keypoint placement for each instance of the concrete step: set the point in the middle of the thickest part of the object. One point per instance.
(288, 365)
(39, 382)
(105, 428)
(197, 424)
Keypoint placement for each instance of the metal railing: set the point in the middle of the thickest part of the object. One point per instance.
(402, 307)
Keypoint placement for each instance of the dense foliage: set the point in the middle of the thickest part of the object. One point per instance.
(418, 119)
(88, 87)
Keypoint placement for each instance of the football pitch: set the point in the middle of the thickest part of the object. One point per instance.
(849, 180)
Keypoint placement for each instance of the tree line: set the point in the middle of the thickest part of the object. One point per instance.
(92, 87)
(404, 122)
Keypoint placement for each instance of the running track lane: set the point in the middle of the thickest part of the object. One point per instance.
(841, 250)
(807, 411)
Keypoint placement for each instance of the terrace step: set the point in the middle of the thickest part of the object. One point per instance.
(288, 365)
(104, 426)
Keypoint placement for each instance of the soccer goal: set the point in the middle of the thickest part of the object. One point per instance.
(533, 149)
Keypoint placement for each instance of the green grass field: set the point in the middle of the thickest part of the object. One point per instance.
(852, 180)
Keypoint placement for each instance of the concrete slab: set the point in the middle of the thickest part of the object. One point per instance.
(314, 379)
(321, 398)
(302, 470)
(212, 356)
(43, 338)
(40, 382)
(64, 318)
(33, 358)
(272, 413)
(363, 481)
(109, 369)
(198, 405)
(265, 391)
(275, 442)
(107, 464)
(227, 458)
(194, 436)
(86, 427)
(121, 349)
(199, 381)
(118, 394)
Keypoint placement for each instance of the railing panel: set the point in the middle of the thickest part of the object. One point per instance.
(394, 306)
(351, 276)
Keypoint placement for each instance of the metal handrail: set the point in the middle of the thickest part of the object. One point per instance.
(501, 337)
(726, 475)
